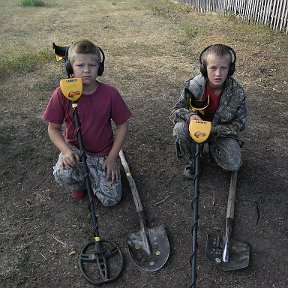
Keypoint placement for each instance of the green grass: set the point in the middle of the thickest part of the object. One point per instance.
(23, 63)
(31, 3)
(4, 139)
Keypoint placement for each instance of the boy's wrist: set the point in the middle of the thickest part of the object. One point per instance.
(214, 131)
(112, 156)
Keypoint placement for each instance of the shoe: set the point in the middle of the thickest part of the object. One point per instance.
(189, 170)
(78, 194)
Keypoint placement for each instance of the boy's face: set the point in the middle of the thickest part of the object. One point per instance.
(217, 70)
(86, 66)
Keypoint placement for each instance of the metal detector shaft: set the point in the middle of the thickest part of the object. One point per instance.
(105, 254)
(86, 171)
(195, 215)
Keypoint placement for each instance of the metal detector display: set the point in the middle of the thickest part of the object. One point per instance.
(72, 88)
(200, 130)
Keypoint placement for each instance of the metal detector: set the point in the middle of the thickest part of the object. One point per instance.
(100, 261)
(199, 131)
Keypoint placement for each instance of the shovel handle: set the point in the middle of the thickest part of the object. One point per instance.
(229, 217)
(132, 184)
(231, 196)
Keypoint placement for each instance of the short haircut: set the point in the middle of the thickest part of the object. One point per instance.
(218, 50)
(83, 47)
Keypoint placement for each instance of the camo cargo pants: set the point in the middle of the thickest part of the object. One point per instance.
(107, 191)
(225, 151)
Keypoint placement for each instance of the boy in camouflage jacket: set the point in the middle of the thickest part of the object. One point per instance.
(226, 109)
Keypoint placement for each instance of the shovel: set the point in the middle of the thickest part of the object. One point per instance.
(149, 248)
(225, 251)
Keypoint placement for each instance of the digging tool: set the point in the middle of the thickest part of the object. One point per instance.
(225, 251)
(149, 248)
(199, 131)
(101, 261)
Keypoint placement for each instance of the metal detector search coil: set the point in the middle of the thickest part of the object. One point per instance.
(200, 130)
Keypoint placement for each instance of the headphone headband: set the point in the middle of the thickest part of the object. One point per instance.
(232, 68)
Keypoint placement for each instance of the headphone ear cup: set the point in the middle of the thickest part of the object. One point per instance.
(101, 69)
(231, 69)
(203, 69)
(101, 65)
(69, 68)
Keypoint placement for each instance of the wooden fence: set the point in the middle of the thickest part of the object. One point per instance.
(272, 13)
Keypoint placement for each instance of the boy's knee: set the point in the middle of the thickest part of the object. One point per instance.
(180, 131)
(232, 165)
(109, 193)
(65, 176)
(227, 154)
(107, 201)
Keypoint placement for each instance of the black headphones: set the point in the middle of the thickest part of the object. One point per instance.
(232, 68)
(69, 68)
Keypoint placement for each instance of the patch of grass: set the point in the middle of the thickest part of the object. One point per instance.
(23, 63)
(4, 140)
(31, 3)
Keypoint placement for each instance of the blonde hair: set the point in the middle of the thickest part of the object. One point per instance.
(218, 50)
(83, 47)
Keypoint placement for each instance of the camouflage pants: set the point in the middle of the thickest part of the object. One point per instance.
(225, 151)
(107, 191)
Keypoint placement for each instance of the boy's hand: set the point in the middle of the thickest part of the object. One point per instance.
(112, 169)
(70, 159)
(195, 117)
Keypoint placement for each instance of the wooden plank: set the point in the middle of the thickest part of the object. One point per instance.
(272, 15)
(279, 9)
(268, 12)
(276, 15)
(260, 11)
(284, 8)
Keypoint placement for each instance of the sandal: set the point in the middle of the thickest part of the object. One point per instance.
(189, 170)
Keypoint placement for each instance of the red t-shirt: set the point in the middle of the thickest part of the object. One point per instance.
(95, 114)
(213, 103)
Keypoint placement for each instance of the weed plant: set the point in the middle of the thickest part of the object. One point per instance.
(31, 3)
(23, 63)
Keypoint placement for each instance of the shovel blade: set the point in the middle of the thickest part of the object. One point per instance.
(149, 248)
(238, 256)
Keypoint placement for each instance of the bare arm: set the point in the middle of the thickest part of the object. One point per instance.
(70, 158)
(110, 164)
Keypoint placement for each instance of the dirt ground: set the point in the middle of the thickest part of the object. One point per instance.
(151, 49)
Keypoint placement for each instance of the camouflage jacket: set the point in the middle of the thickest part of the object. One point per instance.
(229, 118)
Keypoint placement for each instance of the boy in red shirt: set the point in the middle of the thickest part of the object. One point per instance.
(99, 104)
